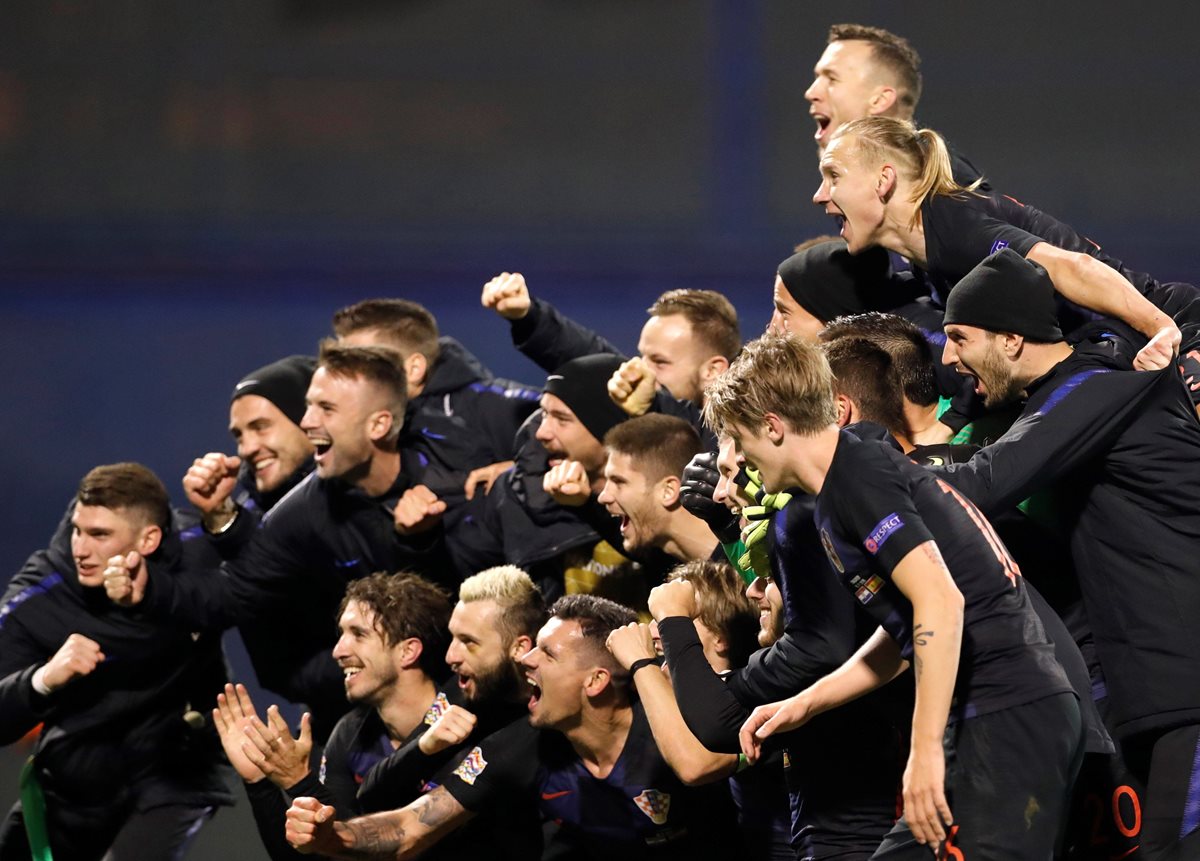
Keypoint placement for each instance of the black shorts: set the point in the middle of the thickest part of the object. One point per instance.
(1008, 782)
(1167, 766)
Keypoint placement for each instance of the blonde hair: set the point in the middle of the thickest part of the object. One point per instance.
(522, 608)
(920, 154)
(777, 374)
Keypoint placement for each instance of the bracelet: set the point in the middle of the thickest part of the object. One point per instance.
(643, 662)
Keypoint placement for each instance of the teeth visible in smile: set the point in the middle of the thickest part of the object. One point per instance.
(351, 672)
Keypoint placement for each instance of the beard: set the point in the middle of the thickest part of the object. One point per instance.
(1000, 387)
(501, 683)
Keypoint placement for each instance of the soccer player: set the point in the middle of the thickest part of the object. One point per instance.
(921, 560)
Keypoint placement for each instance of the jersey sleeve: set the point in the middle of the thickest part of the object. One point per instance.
(500, 766)
(873, 505)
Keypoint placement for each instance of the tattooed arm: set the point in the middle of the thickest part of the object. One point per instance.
(937, 636)
(395, 834)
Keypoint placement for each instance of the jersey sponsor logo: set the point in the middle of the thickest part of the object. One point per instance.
(827, 543)
(550, 796)
(883, 530)
(998, 244)
(471, 767)
(654, 804)
(437, 709)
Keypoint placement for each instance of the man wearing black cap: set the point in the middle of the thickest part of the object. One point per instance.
(1122, 451)
(362, 510)
(273, 453)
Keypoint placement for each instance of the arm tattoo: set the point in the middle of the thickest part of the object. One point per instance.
(376, 834)
(920, 637)
(436, 807)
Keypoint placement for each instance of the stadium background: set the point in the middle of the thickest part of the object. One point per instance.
(188, 190)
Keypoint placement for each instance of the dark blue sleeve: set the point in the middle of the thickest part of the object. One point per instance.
(550, 339)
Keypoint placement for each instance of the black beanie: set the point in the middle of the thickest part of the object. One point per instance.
(582, 384)
(828, 281)
(1006, 293)
(283, 383)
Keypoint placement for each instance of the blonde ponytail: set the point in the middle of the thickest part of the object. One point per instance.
(921, 154)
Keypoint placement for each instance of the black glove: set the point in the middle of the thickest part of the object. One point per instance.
(700, 479)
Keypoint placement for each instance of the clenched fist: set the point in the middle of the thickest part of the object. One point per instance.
(77, 657)
(632, 386)
(418, 510)
(568, 483)
(507, 295)
(125, 578)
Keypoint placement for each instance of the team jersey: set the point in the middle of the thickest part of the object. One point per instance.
(640, 810)
(875, 507)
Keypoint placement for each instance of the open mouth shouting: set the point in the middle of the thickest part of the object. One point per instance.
(536, 695)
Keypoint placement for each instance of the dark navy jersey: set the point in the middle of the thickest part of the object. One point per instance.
(640, 810)
(875, 507)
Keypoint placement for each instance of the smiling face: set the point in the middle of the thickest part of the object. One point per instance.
(271, 443)
(767, 596)
(845, 86)
(850, 193)
(478, 654)
(343, 421)
(675, 354)
(629, 496)
(100, 533)
(370, 665)
(557, 669)
(565, 438)
(979, 354)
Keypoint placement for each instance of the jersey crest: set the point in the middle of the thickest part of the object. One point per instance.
(827, 543)
(654, 804)
(471, 767)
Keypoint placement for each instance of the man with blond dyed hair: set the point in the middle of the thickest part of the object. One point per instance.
(498, 614)
(950, 601)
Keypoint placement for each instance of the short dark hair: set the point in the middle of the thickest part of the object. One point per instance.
(378, 365)
(406, 606)
(130, 486)
(723, 606)
(409, 326)
(904, 341)
(712, 317)
(522, 608)
(893, 52)
(661, 445)
(864, 372)
(597, 618)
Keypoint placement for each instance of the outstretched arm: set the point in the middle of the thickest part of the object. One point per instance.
(1089, 283)
(397, 834)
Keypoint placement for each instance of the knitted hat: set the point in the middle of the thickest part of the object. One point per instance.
(828, 281)
(1006, 293)
(283, 383)
(582, 384)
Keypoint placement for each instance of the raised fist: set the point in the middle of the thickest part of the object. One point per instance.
(453, 727)
(507, 295)
(632, 386)
(125, 578)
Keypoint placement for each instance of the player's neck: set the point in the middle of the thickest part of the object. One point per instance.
(407, 704)
(600, 737)
(382, 472)
(811, 458)
(690, 537)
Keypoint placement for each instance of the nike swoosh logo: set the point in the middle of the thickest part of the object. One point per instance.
(245, 383)
(550, 796)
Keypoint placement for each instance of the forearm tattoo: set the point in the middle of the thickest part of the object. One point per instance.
(376, 834)
(436, 808)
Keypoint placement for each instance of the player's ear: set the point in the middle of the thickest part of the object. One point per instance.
(520, 646)
(668, 491)
(410, 651)
(597, 681)
(775, 427)
(149, 539)
(845, 410)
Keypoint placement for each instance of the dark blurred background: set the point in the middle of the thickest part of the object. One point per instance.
(188, 190)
